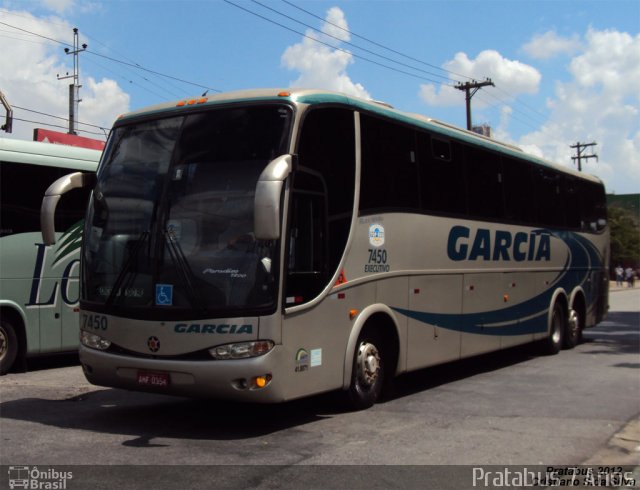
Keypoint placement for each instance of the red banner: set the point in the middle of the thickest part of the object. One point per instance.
(59, 138)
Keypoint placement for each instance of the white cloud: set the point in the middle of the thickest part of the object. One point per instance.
(33, 84)
(550, 44)
(601, 103)
(513, 77)
(611, 60)
(321, 66)
(336, 25)
(501, 132)
(58, 6)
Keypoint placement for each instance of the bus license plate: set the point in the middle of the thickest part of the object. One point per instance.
(153, 379)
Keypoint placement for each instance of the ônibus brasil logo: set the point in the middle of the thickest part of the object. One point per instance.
(35, 478)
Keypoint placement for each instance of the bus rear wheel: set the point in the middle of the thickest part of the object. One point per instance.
(8, 346)
(574, 330)
(553, 343)
(367, 374)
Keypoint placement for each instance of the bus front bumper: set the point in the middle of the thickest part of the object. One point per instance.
(234, 379)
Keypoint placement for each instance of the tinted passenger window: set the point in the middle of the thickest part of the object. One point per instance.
(549, 202)
(389, 167)
(442, 179)
(22, 188)
(593, 209)
(484, 178)
(574, 202)
(517, 183)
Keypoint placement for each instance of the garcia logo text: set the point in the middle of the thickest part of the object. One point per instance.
(498, 245)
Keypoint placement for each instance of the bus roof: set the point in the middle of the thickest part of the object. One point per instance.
(48, 154)
(313, 97)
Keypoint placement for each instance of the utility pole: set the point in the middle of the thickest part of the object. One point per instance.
(470, 89)
(74, 88)
(579, 156)
(7, 126)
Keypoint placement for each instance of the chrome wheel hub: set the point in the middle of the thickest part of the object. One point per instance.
(368, 363)
(3, 343)
(557, 327)
(573, 323)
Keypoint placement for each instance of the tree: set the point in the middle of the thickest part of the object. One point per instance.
(625, 237)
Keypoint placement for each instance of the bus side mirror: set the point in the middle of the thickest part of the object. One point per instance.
(267, 199)
(52, 196)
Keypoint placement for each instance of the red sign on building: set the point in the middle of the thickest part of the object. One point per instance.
(59, 138)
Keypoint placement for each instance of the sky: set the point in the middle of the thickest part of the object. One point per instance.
(565, 71)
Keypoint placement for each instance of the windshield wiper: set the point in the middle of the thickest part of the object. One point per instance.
(133, 256)
(184, 270)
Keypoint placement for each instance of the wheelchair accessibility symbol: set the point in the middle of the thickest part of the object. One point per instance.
(164, 294)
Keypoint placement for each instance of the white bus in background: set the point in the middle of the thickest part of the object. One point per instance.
(39, 284)
(268, 245)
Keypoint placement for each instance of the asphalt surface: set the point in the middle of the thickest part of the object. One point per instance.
(579, 407)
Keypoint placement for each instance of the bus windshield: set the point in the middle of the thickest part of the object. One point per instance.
(170, 223)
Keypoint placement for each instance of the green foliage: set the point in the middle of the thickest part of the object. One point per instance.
(625, 236)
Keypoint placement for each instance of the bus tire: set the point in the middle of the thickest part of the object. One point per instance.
(553, 343)
(8, 346)
(573, 331)
(368, 373)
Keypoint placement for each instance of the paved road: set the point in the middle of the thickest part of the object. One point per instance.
(502, 409)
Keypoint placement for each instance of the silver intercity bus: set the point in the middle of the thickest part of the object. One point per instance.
(265, 245)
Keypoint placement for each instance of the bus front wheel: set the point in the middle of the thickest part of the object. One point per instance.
(367, 374)
(8, 346)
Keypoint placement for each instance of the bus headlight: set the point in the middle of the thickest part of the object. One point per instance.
(94, 341)
(241, 350)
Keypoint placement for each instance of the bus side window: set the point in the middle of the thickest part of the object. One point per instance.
(307, 265)
(519, 199)
(549, 198)
(485, 179)
(21, 203)
(322, 201)
(389, 168)
(442, 176)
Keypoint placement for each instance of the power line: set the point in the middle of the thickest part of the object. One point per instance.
(514, 115)
(130, 81)
(330, 45)
(56, 126)
(530, 113)
(36, 34)
(535, 115)
(147, 80)
(58, 117)
(63, 43)
(376, 43)
(139, 67)
(526, 119)
(133, 65)
(348, 42)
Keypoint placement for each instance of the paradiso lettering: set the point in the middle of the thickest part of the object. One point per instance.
(212, 328)
(498, 245)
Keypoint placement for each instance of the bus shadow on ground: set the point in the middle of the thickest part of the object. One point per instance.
(618, 334)
(146, 417)
(52, 361)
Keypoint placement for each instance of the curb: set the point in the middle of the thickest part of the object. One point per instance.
(613, 287)
(623, 449)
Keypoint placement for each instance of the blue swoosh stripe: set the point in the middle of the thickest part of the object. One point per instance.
(524, 318)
